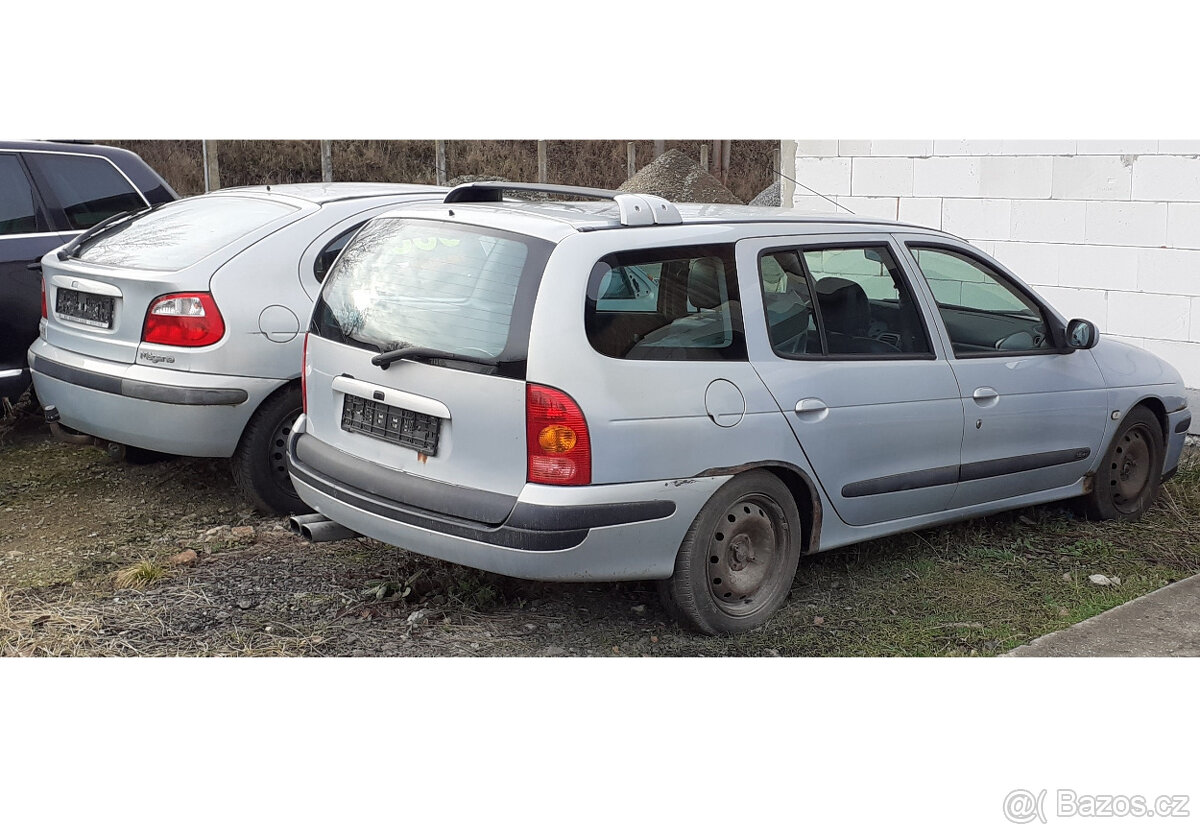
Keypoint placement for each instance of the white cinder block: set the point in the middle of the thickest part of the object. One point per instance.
(1078, 304)
(1184, 146)
(1149, 315)
(1129, 224)
(881, 177)
(967, 147)
(816, 147)
(946, 177)
(1175, 271)
(854, 147)
(1120, 147)
(902, 147)
(825, 175)
(923, 211)
(1048, 221)
(976, 219)
(1185, 356)
(1183, 225)
(884, 207)
(1038, 146)
(1091, 178)
(813, 204)
(1018, 177)
(1167, 178)
(1098, 267)
(1194, 331)
(1033, 263)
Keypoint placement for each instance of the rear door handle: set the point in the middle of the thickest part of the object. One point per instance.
(811, 409)
(36, 266)
(986, 396)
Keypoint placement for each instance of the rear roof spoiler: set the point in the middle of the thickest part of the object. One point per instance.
(635, 209)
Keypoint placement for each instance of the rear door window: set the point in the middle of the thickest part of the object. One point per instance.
(176, 235)
(88, 188)
(17, 213)
(677, 303)
(404, 283)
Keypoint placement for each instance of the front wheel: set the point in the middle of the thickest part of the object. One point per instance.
(1128, 477)
(260, 464)
(738, 559)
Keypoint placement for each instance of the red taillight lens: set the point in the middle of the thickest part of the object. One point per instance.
(304, 377)
(44, 314)
(189, 319)
(557, 443)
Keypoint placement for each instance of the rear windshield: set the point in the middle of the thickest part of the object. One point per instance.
(179, 234)
(408, 284)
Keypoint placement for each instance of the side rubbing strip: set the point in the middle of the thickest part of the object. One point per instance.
(944, 475)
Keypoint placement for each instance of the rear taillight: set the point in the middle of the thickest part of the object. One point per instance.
(189, 319)
(44, 315)
(304, 377)
(558, 448)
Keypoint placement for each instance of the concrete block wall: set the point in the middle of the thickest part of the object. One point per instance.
(1105, 229)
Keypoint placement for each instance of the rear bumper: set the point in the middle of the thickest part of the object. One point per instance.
(597, 533)
(178, 412)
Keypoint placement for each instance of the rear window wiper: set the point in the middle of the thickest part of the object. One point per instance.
(127, 216)
(386, 358)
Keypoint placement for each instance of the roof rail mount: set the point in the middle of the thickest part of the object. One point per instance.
(635, 209)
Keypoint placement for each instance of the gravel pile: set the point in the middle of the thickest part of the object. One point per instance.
(769, 196)
(676, 177)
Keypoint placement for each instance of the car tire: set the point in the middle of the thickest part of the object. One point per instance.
(1129, 475)
(259, 463)
(736, 564)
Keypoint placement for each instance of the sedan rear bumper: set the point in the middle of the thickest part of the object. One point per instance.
(178, 412)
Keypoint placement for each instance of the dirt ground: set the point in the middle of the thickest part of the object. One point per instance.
(103, 558)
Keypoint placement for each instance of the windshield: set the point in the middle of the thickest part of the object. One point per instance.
(176, 235)
(407, 284)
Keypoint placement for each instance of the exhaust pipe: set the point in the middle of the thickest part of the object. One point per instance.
(317, 528)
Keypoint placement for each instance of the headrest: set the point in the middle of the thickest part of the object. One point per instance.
(844, 306)
(704, 283)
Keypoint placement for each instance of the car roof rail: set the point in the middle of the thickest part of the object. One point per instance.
(635, 209)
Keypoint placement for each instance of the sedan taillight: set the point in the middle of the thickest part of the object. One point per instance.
(188, 319)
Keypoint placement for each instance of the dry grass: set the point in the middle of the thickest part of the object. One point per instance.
(141, 575)
(598, 163)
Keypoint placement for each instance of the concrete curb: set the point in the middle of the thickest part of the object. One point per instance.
(1163, 623)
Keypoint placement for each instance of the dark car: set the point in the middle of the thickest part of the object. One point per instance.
(49, 193)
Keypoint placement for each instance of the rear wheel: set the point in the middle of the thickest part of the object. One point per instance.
(260, 464)
(1128, 477)
(738, 559)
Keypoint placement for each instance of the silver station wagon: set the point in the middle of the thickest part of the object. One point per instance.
(179, 329)
(622, 388)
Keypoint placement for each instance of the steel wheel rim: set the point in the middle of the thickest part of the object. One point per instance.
(277, 453)
(743, 555)
(1129, 472)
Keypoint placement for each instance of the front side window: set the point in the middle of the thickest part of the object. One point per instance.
(408, 284)
(984, 313)
(17, 214)
(677, 303)
(90, 189)
(843, 301)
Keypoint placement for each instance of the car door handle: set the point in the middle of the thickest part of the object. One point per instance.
(36, 266)
(986, 396)
(811, 409)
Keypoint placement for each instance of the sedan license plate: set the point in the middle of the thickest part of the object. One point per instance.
(410, 429)
(84, 308)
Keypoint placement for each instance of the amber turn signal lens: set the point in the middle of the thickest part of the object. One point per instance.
(556, 440)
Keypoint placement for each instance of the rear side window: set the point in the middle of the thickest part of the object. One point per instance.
(176, 235)
(462, 290)
(90, 189)
(678, 303)
(17, 214)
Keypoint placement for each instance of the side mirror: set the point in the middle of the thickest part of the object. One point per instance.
(1082, 334)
